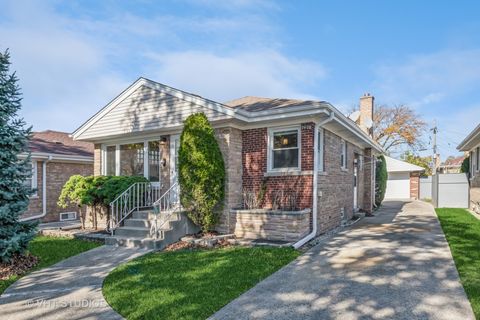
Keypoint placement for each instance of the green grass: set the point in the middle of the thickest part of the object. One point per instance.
(462, 231)
(189, 284)
(51, 250)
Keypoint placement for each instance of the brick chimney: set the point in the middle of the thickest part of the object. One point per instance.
(365, 120)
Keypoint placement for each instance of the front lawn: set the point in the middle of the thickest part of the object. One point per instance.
(189, 284)
(51, 250)
(462, 231)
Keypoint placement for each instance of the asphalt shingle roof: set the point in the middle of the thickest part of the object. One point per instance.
(56, 142)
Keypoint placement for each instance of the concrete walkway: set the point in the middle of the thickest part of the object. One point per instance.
(71, 289)
(396, 265)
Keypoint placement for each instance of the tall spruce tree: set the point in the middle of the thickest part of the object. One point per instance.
(14, 137)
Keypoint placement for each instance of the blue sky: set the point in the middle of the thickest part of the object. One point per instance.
(73, 57)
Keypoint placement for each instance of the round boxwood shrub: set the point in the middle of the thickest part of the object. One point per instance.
(381, 177)
(201, 172)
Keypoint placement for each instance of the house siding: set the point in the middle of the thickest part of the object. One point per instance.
(57, 175)
(254, 161)
(474, 180)
(335, 184)
(230, 143)
(147, 109)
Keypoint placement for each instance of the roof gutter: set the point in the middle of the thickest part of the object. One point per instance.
(44, 193)
(472, 135)
(313, 234)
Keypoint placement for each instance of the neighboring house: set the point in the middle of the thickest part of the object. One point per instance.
(315, 165)
(55, 158)
(403, 179)
(471, 144)
(451, 165)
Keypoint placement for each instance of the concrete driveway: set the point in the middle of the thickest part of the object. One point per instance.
(396, 265)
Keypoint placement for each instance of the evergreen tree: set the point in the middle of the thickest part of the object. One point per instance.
(14, 137)
(201, 172)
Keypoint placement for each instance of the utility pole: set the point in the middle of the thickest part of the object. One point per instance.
(434, 159)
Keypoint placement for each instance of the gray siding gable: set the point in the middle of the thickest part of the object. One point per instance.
(147, 109)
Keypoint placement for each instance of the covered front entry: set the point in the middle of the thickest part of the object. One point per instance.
(155, 158)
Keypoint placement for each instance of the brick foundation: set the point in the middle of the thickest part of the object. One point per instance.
(271, 225)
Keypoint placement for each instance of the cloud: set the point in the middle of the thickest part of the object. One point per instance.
(71, 62)
(228, 76)
(62, 72)
(424, 79)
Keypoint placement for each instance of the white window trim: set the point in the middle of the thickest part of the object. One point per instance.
(117, 155)
(343, 152)
(271, 132)
(321, 150)
(34, 184)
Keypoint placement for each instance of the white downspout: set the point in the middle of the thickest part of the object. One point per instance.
(44, 193)
(312, 235)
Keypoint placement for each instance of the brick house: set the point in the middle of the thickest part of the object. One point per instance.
(313, 166)
(471, 145)
(55, 158)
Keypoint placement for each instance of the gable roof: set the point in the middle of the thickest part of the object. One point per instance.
(255, 104)
(471, 140)
(60, 143)
(149, 106)
(161, 89)
(395, 165)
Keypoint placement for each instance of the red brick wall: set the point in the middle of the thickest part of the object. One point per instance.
(57, 174)
(335, 184)
(254, 162)
(414, 185)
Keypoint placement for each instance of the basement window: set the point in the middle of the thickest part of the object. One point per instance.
(284, 149)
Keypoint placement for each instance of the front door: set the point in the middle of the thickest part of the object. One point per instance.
(174, 146)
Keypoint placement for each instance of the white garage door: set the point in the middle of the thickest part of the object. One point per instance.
(398, 185)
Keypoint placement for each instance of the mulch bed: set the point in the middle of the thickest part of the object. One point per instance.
(18, 265)
(183, 245)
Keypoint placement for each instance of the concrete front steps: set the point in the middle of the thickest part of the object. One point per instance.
(135, 233)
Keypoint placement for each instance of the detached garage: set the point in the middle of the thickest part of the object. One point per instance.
(403, 179)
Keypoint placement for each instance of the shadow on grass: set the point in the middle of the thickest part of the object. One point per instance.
(189, 284)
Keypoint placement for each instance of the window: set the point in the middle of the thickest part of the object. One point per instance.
(472, 163)
(110, 167)
(31, 179)
(284, 149)
(343, 155)
(154, 161)
(477, 159)
(321, 148)
(131, 159)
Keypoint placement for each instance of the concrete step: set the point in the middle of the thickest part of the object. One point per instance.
(133, 232)
(136, 242)
(139, 223)
(143, 214)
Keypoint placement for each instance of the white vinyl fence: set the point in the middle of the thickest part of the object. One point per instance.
(426, 188)
(449, 190)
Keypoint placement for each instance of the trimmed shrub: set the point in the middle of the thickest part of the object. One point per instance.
(381, 177)
(94, 191)
(201, 172)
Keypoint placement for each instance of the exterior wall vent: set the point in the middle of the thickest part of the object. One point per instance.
(65, 216)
